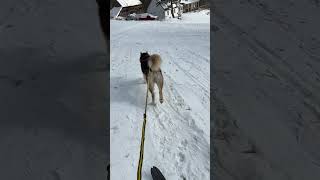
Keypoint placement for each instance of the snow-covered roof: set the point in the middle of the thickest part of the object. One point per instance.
(114, 12)
(188, 1)
(127, 3)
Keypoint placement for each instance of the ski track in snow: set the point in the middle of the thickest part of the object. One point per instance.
(177, 131)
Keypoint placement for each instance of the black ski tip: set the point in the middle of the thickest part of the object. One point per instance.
(156, 174)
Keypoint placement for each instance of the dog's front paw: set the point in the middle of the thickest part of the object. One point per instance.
(161, 100)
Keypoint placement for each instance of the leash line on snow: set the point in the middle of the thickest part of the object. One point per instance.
(143, 134)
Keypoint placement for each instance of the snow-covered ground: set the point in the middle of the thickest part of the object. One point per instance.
(177, 131)
(199, 17)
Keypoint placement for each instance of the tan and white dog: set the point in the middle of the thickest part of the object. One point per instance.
(150, 67)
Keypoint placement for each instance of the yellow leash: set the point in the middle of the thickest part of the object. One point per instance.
(143, 135)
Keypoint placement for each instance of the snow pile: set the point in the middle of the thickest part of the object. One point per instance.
(188, 1)
(177, 131)
(197, 17)
(145, 15)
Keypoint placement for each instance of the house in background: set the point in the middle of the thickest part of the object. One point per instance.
(190, 5)
(163, 10)
(125, 7)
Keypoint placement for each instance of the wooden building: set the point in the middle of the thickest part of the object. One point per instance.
(190, 5)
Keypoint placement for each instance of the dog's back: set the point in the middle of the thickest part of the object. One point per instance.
(155, 62)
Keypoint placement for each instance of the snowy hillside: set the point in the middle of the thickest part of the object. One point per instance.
(177, 131)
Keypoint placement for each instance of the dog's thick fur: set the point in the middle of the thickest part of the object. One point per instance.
(144, 58)
(150, 67)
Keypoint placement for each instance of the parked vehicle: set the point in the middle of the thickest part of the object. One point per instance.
(132, 16)
(147, 16)
(119, 18)
(144, 16)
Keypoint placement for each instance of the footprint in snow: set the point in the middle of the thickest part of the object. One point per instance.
(182, 157)
(183, 178)
(184, 143)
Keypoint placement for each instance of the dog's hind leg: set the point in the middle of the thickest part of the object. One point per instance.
(160, 86)
(151, 89)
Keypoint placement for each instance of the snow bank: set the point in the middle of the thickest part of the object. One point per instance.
(198, 17)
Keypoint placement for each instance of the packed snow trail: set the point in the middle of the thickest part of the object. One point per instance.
(177, 131)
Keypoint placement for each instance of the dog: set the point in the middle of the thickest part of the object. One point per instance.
(152, 74)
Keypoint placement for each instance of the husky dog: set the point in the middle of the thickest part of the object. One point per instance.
(150, 67)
